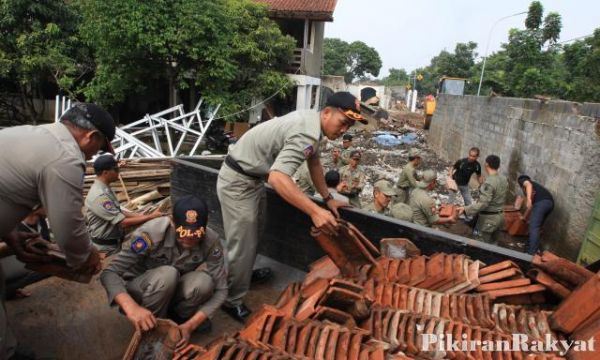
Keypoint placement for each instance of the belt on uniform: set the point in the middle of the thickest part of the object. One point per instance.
(237, 168)
(491, 212)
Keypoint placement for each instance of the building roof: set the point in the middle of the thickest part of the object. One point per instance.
(301, 9)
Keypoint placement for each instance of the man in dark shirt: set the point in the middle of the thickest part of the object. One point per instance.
(539, 203)
(462, 171)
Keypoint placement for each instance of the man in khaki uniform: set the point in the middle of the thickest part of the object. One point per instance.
(353, 179)
(336, 159)
(490, 207)
(157, 274)
(383, 191)
(402, 211)
(346, 150)
(408, 177)
(423, 206)
(105, 219)
(304, 181)
(274, 150)
(43, 166)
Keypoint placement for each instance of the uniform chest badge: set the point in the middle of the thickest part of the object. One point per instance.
(308, 151)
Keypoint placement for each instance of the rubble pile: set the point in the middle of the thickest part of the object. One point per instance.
(144, 186)
(357, 304)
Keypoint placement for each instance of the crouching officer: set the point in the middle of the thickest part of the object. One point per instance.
(157, 274)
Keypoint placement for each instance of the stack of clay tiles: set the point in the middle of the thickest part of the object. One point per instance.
(358, 304)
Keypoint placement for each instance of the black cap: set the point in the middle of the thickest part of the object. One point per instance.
(99, 117)
(105, 162)
(190, 215)
(349, 105)
(347, 137)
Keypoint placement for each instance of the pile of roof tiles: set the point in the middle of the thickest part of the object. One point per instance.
(356, 304)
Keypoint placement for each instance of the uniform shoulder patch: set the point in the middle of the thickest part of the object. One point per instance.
(308, 151)
(106, 203)
(141, 243)
(485, 187)
(216, 252)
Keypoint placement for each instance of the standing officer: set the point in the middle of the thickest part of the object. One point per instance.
(346, 150)
(383, 191)
(273, 151)
(336, 159)
(105, 219)
(423, 206)
(353, 179)
(44, 166)
(490, 207)
(408, 177)
(157, 274)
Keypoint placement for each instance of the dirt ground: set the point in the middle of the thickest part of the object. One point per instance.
(68, 320)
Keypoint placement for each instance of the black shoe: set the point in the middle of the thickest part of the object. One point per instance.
(261, 275)
(239, 312)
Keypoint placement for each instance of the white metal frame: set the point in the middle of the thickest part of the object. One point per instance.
(173, 124)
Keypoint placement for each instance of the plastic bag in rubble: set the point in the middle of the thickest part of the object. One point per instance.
(408, 138)
(387, 140)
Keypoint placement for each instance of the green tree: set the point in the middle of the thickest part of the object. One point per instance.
(228, 49)
(458, 63)
(396, 77)
(352, 61)
(531, 67)
(38, 47)
(582, 63)
(534, 15)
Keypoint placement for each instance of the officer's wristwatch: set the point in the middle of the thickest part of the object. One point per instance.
(328, 197)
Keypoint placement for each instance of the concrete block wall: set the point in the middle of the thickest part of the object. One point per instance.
(557, 143)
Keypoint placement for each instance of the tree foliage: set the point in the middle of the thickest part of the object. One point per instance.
(582, 62)
(350, 60)
(228, 49)
(38, 47)
(534, 15)
(396, 77)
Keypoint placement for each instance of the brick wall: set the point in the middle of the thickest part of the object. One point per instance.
(557, 143)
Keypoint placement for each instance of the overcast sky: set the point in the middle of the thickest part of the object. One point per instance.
(408, 33)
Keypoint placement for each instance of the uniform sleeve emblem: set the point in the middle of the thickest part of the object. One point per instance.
(308, 151)
(216, 252)
(108, 205)
(141, 243)
(485, 187)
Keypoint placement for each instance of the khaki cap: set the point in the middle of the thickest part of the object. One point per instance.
(385, 187)
(428, 177)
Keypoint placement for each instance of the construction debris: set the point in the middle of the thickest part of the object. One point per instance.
(144, 184)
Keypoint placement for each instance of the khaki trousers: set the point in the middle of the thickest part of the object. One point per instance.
(242, 199)
(162, 289)
(489, 227)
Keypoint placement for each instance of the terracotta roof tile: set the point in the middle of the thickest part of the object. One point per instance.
(313, 9)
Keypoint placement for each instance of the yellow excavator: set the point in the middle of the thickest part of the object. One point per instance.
(446, 85)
